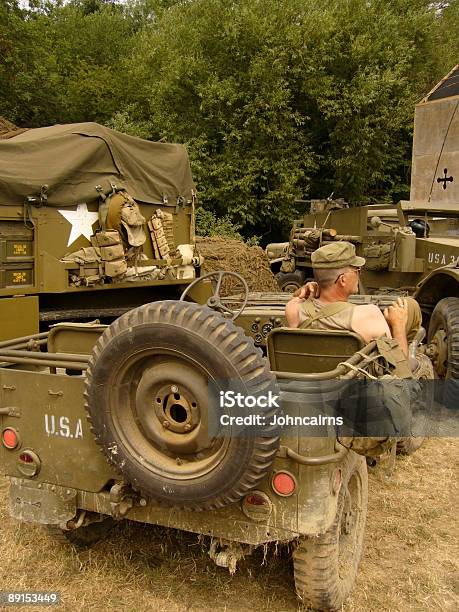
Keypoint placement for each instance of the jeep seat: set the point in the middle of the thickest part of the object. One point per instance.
(307, 351)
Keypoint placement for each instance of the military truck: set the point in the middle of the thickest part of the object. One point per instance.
(412, 248)
(92, 222)
(123, 421)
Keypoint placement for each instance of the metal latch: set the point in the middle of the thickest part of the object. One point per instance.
(10, 411)
(121, 499)
(338, 455)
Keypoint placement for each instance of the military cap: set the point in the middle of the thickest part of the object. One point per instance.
(335, 255)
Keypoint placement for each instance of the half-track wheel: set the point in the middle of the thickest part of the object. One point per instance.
(408, 446)
(443, 339)
(290, 281)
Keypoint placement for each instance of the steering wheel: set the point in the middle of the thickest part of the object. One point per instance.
(214, 301)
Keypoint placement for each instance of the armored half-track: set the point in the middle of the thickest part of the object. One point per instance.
(92, 222)
(411, 248)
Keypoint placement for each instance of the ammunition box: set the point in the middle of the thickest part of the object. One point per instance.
(16, 255)
(16, 275)
(16, 242)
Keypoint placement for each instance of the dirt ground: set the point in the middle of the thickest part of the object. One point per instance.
(410, 561)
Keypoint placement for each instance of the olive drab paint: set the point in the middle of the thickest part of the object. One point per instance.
(82, 456)
(412, 247)
(61, 189)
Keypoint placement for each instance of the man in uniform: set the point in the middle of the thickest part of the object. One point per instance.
(336, 271)
(324, 305)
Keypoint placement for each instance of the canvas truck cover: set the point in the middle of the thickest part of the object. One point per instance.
(73, 159)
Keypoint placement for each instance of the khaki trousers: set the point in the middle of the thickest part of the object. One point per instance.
(414, 318)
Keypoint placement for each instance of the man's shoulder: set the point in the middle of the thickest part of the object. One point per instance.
(368, 310)
(369, 322)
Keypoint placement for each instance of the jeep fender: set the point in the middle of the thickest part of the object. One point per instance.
(440, 283)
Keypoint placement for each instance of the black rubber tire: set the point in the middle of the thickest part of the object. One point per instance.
(325, 566)
(422, 401)
(290, 281)
(210, 347)
(83, 537)
(446, 316)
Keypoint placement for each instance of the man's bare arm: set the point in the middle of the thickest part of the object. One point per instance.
(370, 323)
(310, 289)
(291, 312)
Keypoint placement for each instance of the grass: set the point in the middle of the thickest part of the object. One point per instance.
(410, 561)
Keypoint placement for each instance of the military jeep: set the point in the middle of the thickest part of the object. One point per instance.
(112, 422)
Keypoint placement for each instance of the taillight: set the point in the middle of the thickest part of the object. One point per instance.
(25, 458)
(283, 483)
(29, 463)
(257, 506)
(10, 438)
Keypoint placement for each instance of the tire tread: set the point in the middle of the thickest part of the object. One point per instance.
(241, 352)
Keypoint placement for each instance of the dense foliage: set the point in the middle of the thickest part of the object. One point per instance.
(275, 100)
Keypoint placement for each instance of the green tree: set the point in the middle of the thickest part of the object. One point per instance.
(62, 62)
(448, 33)
(212, 74)
(282, 99)
(275, 100)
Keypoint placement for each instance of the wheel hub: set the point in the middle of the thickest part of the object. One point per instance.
(291, 287)
(171, 407)
(177, 408)
(438, 352)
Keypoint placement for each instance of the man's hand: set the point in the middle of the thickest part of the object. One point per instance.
(397, 314)
(310, 289)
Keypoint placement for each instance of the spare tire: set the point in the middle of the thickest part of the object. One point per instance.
(147, 398)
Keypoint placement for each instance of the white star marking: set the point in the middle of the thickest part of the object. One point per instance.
(81, 221)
